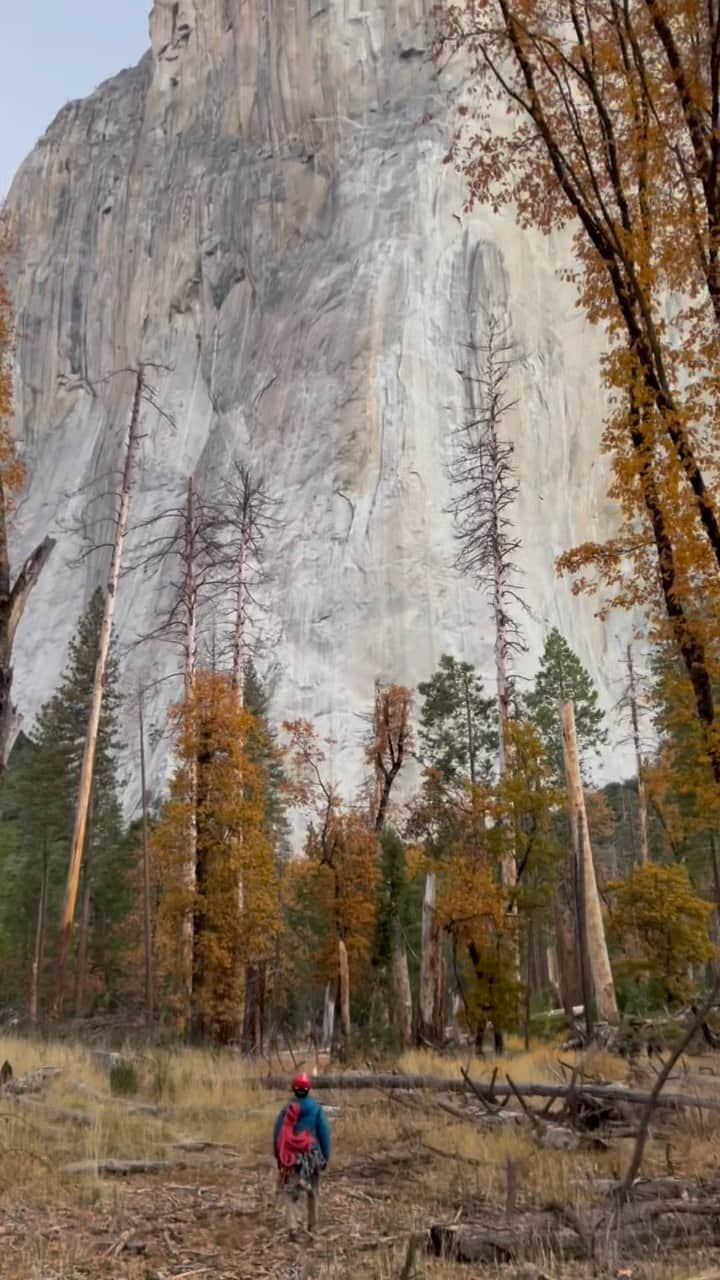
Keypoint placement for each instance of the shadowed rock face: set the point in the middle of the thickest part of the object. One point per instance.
(261, 208)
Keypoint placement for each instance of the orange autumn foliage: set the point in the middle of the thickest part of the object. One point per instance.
(223, 741)
(612, 127)
(341, 868)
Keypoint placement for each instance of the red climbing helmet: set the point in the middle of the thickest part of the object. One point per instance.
(301, 1085)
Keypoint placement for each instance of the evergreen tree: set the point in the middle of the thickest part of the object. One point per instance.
(563, 677)
(269, 758)
(458, 723)
(39, 804)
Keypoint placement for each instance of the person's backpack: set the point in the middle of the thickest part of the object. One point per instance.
(290, 1144)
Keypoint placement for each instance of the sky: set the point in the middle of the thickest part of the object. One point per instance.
(52, 51)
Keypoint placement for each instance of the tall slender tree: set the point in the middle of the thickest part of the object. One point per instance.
(131, 446)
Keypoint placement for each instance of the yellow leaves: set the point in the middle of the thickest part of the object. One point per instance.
(660, 926)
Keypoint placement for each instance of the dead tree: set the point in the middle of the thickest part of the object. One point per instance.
(242, 517)
(485, 481)
(130, 452)
(484, 477)
(592, 942)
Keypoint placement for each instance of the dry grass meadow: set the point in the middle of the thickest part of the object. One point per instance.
(212, 1212)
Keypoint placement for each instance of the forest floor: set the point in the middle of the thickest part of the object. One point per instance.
(211, 1212)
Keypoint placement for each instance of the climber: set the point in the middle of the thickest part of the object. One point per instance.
(301, 1143)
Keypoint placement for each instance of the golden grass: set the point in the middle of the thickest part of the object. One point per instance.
(218, 1098)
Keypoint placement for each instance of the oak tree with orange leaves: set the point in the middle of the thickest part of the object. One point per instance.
(215, 743)
(613, 130)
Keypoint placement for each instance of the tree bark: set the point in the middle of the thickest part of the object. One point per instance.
(39, 948)
(88, 762)
(431, 1020)
(599, 962)
(567, 955)
(344, 989)
(147, 894)
(642, 798)
(81, 976)
(401, 988)
(328, 1023)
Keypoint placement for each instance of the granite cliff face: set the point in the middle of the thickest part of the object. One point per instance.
(261, 206)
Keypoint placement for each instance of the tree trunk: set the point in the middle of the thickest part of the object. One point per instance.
(431, 1020)
(88, 762)
(147, 895)
(81, 976)
(238, 667)
(254, 1012)
(328, 1024)
(190, 865)
(39, 948)
(599, 962)
(639, 769)
(344, 989)
(567, 952)
(401, 988)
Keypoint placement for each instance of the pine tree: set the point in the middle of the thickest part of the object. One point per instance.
(562, 677)
(41, 793)
(458, 723)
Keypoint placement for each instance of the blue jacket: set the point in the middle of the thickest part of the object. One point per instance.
(312, 1119)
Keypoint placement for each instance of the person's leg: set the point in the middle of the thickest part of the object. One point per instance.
(313, 1202)
(291, 1205)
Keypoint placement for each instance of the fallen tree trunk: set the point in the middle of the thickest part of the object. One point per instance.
(499, 1092)
(114, 1168)
(498, 1237)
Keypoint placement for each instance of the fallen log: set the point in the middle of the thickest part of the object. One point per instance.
(636, 1231)
(498, 1092)
(60, 1114)
(33, 1082)
(114, 1168)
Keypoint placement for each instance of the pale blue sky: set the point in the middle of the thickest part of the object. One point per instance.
(55, 50)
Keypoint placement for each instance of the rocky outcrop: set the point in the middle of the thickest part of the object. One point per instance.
(260, 207)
